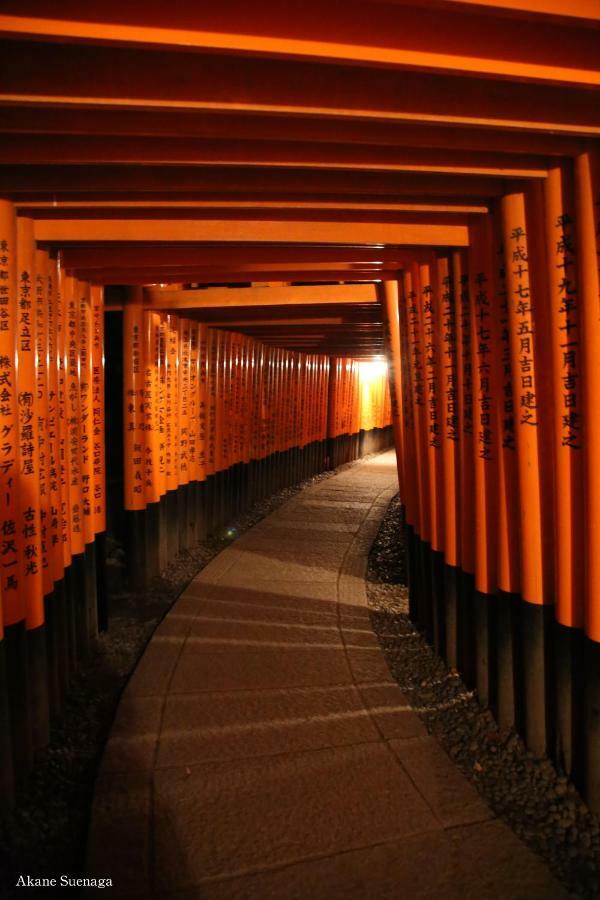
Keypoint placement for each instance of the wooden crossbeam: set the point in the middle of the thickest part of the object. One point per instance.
(271, 296)
(293, 231)
(86, 150)
(438, 39)
(110, 77)
(207, 125)
(230, 183)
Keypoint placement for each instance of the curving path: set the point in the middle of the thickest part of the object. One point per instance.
(262, 750)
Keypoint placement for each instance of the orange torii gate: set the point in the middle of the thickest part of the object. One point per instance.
(410, 196)
(525, 327)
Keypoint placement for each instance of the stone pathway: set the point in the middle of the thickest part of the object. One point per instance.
(262, 750)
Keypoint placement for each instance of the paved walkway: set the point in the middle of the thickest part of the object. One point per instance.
(262, 751)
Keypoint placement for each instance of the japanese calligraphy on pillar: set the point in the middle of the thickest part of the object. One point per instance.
(568, 400)
(483, 361)
(464, 368)
(213, 359)
(431, 364)
(172, 414)
(414, 331)
(63, 421)
(86, 417)
(73, 400)
(9, 577)
(411, 483)
(202, 401)
(98, 461)
(134, 444)
(29, 520)
(41, 306)
(521, 304)
(162, 402)
(465, 348)
(244, 406)
(566, 285)
(451, 424)
(149, 408)
(448, 316)
(508, 403)
(237, 406)
(194, 366)
(219, 400)
(53, 532)
(183, 400)
(534, 580)
(224, 395)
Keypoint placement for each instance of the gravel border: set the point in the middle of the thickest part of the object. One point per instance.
(536, 801)
(46, 834)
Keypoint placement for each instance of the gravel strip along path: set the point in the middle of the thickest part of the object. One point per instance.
(538, 803)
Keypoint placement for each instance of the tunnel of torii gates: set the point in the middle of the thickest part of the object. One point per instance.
(238, 212)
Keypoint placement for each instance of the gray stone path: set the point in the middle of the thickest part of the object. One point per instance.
(262, 750)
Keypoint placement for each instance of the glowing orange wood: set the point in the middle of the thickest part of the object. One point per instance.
(65, 230)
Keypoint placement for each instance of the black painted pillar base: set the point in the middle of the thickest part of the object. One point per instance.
(91, 595)
(235, 490)
(466, 629)
(152, 539)
(201, 511)
(437, 602)
(7, 786)
(193, 512)
(136, 550)
(536, 621)
(569, 687)
(451, 591)
(222, 497)
(425, 591)
(214, 507)
(208, 504)
(163, 532)
(252, 481)
(217, 498)
(592, 724)
(231, 494)
(190, 516)
(172, 514)
(37, 663)
(17, 671)
(101, 592)
(509, 711)
(79, 581)
(485, 647)
(53, 651)
(61, 614)
(247, 490)
(330, 453)
(182, 517)
(412, 574)
(74, 587)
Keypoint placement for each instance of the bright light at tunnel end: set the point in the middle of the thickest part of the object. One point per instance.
(373, 368)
